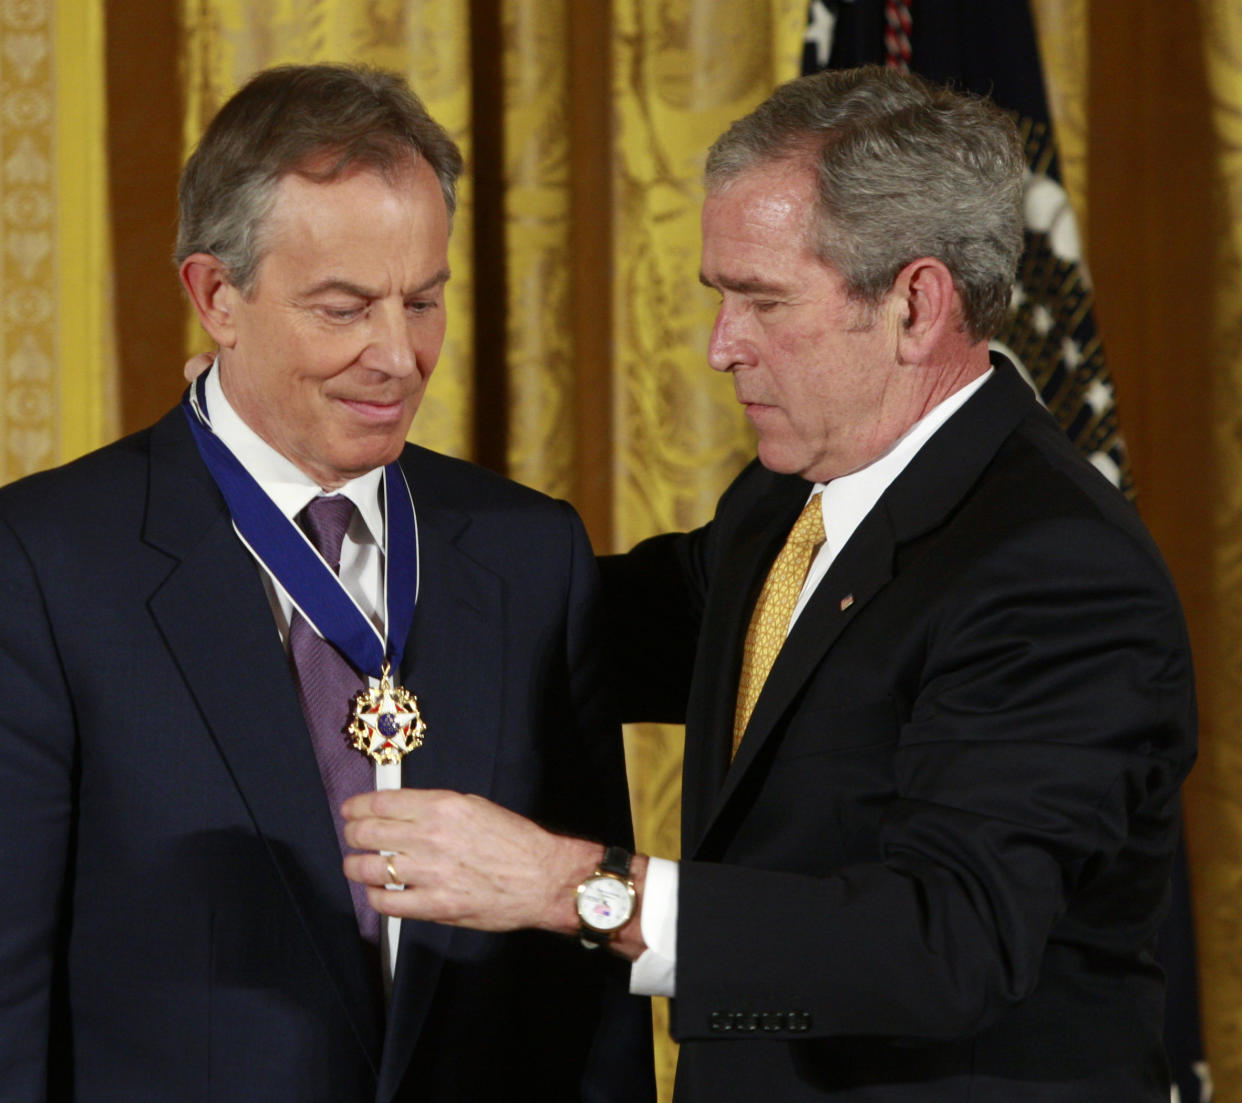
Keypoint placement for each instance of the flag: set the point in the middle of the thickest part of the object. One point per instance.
(990, 49)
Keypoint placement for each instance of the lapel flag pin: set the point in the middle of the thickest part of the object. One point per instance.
(846, 602)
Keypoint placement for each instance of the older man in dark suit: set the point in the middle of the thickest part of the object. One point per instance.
(217, 630)
(935, 678)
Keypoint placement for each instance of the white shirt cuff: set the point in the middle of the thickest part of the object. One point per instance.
(655, 971)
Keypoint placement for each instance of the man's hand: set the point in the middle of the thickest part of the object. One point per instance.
(196, 365)
(470, 863)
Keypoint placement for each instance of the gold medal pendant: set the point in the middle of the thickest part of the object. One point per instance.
(386, 723)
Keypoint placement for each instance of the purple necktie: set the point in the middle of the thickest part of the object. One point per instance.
(327, 683)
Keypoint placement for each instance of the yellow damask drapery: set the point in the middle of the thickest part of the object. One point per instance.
(1214, 802)
(57, 371)
(575, 358)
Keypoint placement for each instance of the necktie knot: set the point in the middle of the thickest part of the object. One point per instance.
(808, 529)
(325, 521)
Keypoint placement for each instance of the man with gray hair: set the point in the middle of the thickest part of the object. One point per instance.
(935, 679)
(219, 629)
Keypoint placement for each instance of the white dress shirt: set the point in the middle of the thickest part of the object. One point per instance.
(846, 501)
(362, 556)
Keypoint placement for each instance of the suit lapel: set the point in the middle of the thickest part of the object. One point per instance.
(454, 659)
(858, 573)
(933, 483)
(214, 615)
(744, 565)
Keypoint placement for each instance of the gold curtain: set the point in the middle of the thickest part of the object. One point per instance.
(1061, 27)
(57, 372)
(1216, 801)
(536, 203)
(575, 358)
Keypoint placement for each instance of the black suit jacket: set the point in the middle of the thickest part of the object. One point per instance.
(174, 920)
(936, 867)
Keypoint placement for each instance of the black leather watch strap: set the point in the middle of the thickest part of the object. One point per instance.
(616, 860)
(593, 940)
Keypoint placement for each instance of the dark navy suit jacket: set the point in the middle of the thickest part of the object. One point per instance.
(174, 920)
(936, 868)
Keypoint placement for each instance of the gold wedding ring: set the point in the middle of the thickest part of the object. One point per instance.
(393, 879)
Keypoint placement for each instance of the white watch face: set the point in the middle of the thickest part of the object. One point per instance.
(604, 903)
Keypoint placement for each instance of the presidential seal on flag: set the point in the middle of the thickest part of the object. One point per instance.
(386, 723)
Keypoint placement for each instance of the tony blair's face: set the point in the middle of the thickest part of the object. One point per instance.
(332, 349)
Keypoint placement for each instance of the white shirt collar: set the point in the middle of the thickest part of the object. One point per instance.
(282, 480)
(848, 499)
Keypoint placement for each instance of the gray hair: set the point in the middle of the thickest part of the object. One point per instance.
(905, 169)
(319, 121)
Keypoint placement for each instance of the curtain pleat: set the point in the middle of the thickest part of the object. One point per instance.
(1061, 26)
(57, 361)
(536, 202)
(1217, 810)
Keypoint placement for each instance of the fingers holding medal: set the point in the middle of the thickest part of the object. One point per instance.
(464, 860)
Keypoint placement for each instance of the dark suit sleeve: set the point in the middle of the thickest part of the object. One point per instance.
(654, 596)
(1022, 771)
(654, 601)
(36, 810)
(597, 741)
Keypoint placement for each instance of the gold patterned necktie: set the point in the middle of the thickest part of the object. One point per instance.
(769, 623)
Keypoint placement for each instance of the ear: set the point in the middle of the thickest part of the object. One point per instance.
(927, 306)
(205, 279)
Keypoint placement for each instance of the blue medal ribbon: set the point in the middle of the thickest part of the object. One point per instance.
(292, 560)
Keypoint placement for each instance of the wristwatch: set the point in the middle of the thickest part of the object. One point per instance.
(606, 899)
